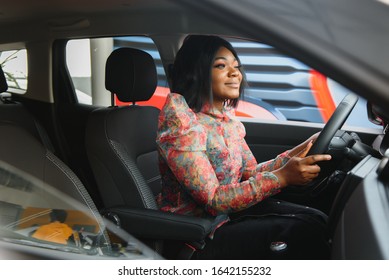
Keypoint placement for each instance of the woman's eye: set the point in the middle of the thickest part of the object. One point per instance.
(220, 66)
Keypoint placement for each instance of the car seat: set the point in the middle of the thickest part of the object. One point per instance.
(122, 150)
(25, 146)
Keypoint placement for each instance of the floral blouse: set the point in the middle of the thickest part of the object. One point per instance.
(206, 165)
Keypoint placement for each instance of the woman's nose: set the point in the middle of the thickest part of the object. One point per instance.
(234, 72)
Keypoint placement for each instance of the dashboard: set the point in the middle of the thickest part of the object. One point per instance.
(360, 212)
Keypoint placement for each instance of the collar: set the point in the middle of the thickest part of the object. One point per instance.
(216, 113)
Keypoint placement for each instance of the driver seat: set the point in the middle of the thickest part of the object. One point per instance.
(122, 150)
(120, 140)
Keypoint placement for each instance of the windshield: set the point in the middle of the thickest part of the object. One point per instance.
(37, 218)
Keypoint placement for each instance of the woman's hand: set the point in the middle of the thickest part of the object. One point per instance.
(303, 146)
(300, 170)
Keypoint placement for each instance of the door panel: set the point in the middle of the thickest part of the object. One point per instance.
(267, 139)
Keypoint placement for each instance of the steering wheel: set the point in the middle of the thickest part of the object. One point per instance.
(336, 121)
(317, 192)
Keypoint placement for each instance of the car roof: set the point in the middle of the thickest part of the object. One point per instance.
(346, 40)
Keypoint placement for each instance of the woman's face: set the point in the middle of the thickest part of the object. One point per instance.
(226, 77)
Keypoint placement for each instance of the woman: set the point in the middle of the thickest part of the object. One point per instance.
(209, 171)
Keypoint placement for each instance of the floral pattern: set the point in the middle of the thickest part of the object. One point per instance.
(206, 165)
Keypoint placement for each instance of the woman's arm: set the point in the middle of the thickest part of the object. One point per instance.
(195, 173)
(276, 163)
(251, 165)
(291, 167)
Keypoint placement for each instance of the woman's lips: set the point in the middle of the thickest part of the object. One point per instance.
(232, 85)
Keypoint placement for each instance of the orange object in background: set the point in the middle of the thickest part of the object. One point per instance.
(322, 94)
(244, 109)
(157, 100)
(56, 232)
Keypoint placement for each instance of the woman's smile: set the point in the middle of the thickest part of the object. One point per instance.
(233, 85)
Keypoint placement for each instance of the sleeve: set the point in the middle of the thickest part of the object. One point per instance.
(182, 143)
(252, 167)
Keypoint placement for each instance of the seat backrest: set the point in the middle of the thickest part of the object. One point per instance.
(16, 114)
(120, 141)
(24, 145)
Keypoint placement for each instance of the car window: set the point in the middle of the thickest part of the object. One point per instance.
(41, 219)
(289, 89)
(86, 63)
(279, 86)
(14, 65)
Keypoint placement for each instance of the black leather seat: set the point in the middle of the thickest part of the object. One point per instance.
(121, 147)
(121, 140)
(25, 145)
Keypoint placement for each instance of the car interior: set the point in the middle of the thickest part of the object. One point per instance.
(25, 136)
(132, 208)
(106, 157)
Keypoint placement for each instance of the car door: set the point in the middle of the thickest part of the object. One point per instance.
(302, 101)
(300, 98)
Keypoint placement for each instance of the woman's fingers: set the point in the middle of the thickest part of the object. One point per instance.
(314, 137)
(311, 169)
(316, 158)
(305, 151)
(300, 171)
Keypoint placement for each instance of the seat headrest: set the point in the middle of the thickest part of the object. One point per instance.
(131, 74)
(3, 81)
